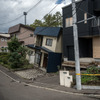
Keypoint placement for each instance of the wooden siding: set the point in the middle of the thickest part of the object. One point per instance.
(96, 47)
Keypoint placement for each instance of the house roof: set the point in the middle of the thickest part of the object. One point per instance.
(1, 33)
(38, 47)
(47, 31)
(16, 28)
(5, 35)
(45, 49)
(33, 46)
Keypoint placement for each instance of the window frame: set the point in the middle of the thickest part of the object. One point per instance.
(37, 58)
(69, 22)
(5, 39)
(2, 39)
(85, 18)
(49, 42)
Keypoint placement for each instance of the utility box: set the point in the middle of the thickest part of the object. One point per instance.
(62, 77)
(68, 80)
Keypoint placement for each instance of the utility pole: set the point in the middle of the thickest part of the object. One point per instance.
(76, 46)
(25, 13)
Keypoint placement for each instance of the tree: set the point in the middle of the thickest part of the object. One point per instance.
(58, 16)
(14, 44)
(36, 23)
(17, 53)
(53, 20)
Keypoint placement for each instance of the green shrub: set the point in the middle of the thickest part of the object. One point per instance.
(17, 54)
(14, 60)
(87, 79)
(93, 70)
(4, 58)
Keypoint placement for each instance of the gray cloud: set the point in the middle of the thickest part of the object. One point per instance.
(11, 9)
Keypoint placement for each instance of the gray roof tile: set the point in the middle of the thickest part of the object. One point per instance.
(47, 31)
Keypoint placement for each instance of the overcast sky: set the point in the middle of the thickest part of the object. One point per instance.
(12, 9)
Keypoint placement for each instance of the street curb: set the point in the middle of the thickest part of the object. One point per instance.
(90, 87)
(50, 89)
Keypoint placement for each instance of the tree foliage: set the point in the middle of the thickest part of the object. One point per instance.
(53, 20)
(17, 53)
(13, 45)
(36, 23)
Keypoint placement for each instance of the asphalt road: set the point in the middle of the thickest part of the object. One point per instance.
(10, 90)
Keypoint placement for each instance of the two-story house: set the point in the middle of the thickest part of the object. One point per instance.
(4, 37)
(23, 33)
(88, 31)
(48, 48)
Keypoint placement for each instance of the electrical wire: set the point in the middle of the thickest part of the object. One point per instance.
(21, 15)
(12, 20)
(46, 14)
(77, 8)
(39, 30)
(93, 16)
(34, 6)
(50, 11)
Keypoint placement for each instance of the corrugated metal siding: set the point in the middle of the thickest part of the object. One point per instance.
(54, 60)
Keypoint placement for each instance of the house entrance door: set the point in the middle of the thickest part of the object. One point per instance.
(45, 62)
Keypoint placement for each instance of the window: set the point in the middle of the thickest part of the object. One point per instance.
(85, 17)
(5, 39)
(2, 39)
(31, 35)
(37, 58)
(96, 22)
(49, 42)
(68, 22)
(5, 49)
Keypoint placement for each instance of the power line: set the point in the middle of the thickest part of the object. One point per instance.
(93, 16)
(47, 14)
(20, 15)
(12, 20)
(77, 8)
(34, 6)
(45, 27)
(43, 17)
(52, 22)
(39, 31)
(50, 11)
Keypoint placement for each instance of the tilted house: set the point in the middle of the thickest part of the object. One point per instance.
(48, 48)
(88, 31)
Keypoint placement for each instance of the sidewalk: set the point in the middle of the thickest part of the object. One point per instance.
(48, 81)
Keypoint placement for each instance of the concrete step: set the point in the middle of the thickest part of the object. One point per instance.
(84, 63)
